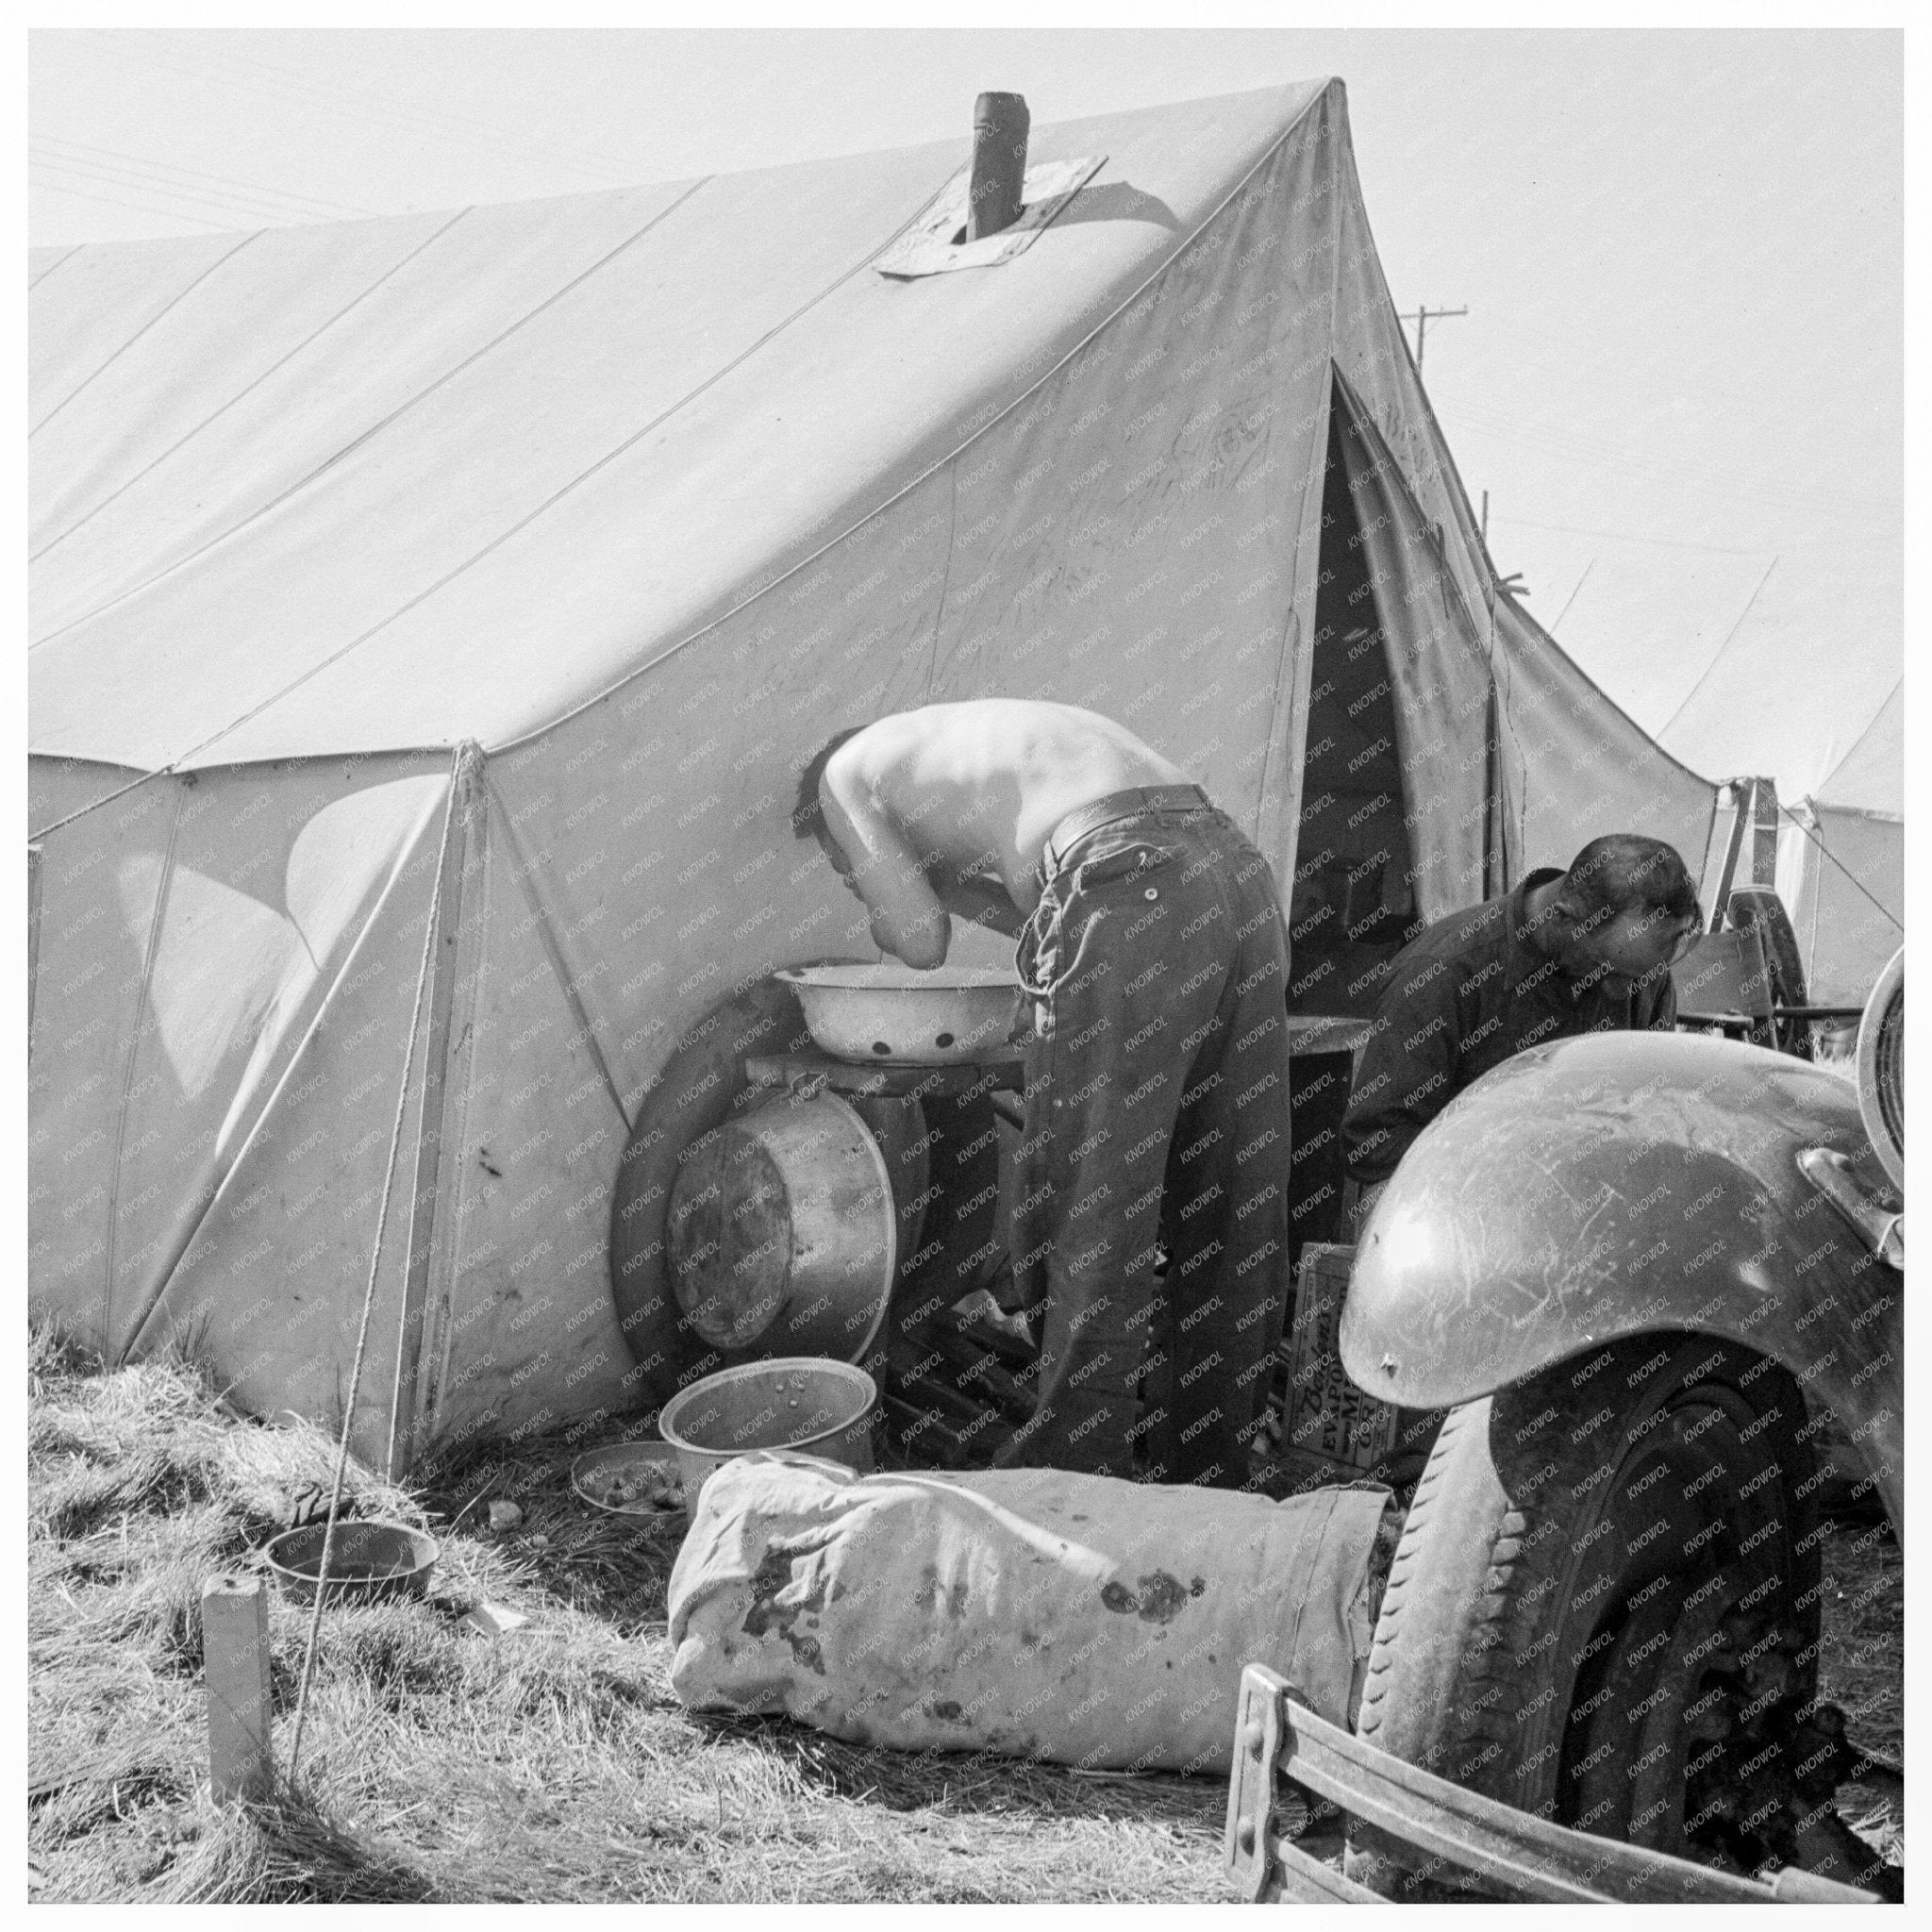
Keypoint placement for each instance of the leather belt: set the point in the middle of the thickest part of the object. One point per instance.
(1103, 812)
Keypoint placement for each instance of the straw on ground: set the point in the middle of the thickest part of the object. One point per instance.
(554, 1763)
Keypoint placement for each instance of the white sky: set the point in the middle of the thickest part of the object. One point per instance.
(1681, 253)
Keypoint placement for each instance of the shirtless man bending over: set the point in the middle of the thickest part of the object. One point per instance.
(1150, 937)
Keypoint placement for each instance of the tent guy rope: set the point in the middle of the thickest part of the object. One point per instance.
(395, 1142)
(1837, 861)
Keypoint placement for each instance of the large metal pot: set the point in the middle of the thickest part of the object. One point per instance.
(784, 1237)
(816, 1407)
(899, 1016)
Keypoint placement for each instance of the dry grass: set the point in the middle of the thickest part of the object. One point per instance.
(1861, 1668)
(554, 1763)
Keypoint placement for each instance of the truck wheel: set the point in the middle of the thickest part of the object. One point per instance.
(1604, 1609)
(699, 1087)
(702, 1085)
(1759, 909)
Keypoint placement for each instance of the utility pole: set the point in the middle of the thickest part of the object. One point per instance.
(1421, 319)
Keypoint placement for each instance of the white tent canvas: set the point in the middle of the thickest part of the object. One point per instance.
(432, 616)
(1842, 863)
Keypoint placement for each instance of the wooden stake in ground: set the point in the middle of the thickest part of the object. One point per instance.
(234, 1650)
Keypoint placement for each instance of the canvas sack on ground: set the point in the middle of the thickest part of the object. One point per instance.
(1079, 1618)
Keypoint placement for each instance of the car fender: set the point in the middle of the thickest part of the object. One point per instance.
(1619, 1184)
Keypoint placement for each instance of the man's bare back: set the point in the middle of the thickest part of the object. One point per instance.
(929, 807)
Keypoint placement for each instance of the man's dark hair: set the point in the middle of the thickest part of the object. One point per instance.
(808, 815)
(1625, 872)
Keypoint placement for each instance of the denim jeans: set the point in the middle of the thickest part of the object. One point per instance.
(1156, 1103)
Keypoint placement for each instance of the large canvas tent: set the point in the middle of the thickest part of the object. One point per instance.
(1842, 863)
(432, 615)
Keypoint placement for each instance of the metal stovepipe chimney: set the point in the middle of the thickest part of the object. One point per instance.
(999, 123)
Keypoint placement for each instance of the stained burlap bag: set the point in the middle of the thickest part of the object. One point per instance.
(1031, 1612)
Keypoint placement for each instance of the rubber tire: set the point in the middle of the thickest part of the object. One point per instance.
(701, 1085)
(1759, 909)
(1488, 1569)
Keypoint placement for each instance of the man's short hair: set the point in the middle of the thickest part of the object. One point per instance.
(1625, 872)
(808, 815)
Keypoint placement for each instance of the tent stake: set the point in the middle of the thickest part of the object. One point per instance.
(234, 1650)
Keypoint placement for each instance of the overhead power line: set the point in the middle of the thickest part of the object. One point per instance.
(235, 207)
(86, 153)
(1630, 537)
(1621, 459)
(194, 206)
(1566, 362)
(146, 208)
(366, 104)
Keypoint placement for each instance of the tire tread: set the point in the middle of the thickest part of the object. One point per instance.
(1491, 1540)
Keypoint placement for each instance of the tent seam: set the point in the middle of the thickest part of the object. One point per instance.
(170, 770)
(58, 261)
(1361, 421)
(551, 501)
(455, 842)
(95, 805)
(186, 1243)
(526, 878)
(1541, 636)
(1817, 900)
(395, 268)
(153, 322)
(468, 989)
(938, 612)
(163, 890)
(1291, 621)
(831, 543)
(1384, 472)
(376, 428)
(389, 1182)
(1871, 725)
(1819, 806)
(1717, 656)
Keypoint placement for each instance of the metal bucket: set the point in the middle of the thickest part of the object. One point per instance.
(784, 1236)
(797, 1402)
